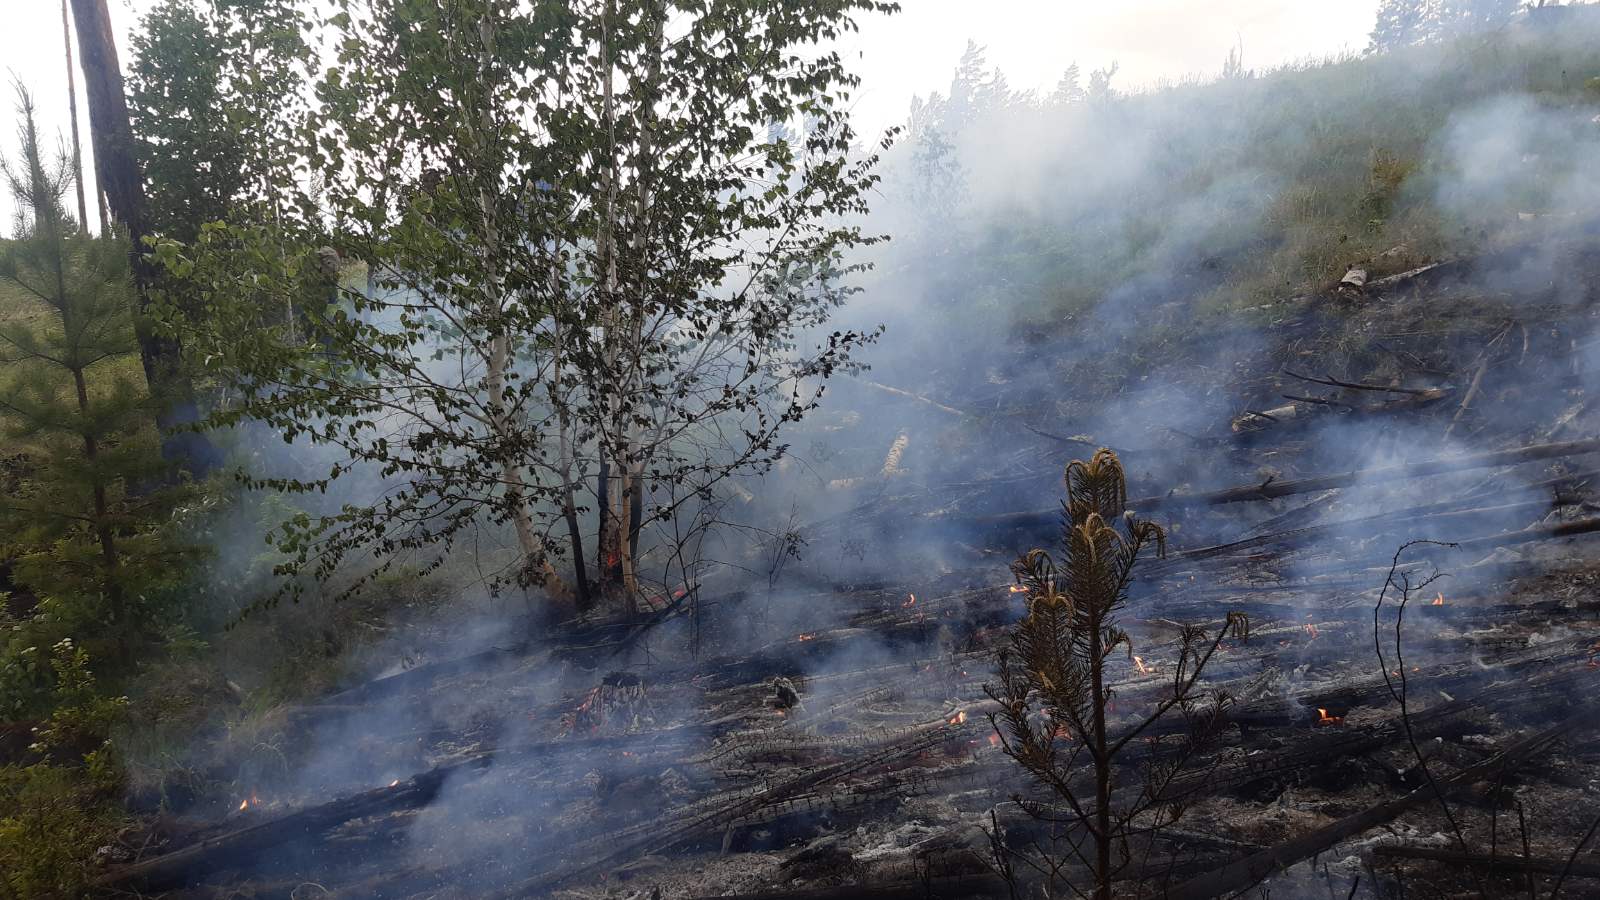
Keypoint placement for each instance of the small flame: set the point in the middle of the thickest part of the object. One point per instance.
(1018, 589)
(249, 801)
(1143, 669)
(806, 636)
(1439, 600)
(958, 718)
(1324, 719)
(394, 783)
(911, 600)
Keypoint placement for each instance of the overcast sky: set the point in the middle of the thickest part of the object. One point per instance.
(1032, 41)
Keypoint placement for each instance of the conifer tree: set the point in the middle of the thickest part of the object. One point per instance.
(1404, 23)
(84, 528)
(1055, 686)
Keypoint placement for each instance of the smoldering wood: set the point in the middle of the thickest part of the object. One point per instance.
(954, 887)
(240, 846)
(1356, 386)
(1501, 861)
(919, 398)
(1450, 718)
(1272, 489)
(656, 836)
(1243, 873)
(1300, 408)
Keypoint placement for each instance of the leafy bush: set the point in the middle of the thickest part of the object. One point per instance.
(55, 813)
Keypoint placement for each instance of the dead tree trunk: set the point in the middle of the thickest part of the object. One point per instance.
(117, 173)
(72, 112)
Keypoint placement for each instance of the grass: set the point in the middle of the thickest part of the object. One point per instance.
(1226, 195)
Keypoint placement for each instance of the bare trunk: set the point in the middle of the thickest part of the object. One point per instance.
(614, 569)
(631, 505)
(117, 173)
(569, 504)
(1102, 769)
(535, 563)
(72, 111)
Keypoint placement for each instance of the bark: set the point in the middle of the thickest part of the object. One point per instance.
(72, 111)
(117, 173)
(612, 535)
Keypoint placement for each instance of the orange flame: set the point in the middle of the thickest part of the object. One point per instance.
(911, 600)
(958, 718)
(1439, 600)
(249, 801)
(1324, 719)
(806, 636)
(1018, 589)
(1143, 669)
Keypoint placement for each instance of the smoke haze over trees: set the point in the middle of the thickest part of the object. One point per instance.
(597, 385)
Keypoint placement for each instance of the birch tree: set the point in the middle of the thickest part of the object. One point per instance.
(602, 289)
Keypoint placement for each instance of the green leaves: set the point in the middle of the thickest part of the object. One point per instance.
(586, 242)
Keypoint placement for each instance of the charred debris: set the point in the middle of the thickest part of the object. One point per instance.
(1375, 722)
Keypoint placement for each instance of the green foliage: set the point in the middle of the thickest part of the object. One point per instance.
(87, 529)
(56, 812)
(215, 90)
(586, 254)
(1227, 195)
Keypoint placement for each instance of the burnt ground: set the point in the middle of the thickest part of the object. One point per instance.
(831, 736)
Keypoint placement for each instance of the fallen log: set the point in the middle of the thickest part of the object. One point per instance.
(702, 818)
(1272, 489)
(919, 398)
(1357, 386)
(1403, 518)
(244, 844)
(1502, 863)
(954, 887)
(182, 866)
(1243, 873)
(1299, 407)
(1327, 744)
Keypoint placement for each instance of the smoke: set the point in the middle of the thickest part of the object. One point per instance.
(1127, 271)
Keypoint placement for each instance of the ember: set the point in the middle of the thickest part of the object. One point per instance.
(1324, 719)
(806, 636)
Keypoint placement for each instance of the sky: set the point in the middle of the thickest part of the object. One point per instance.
(912, 53)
